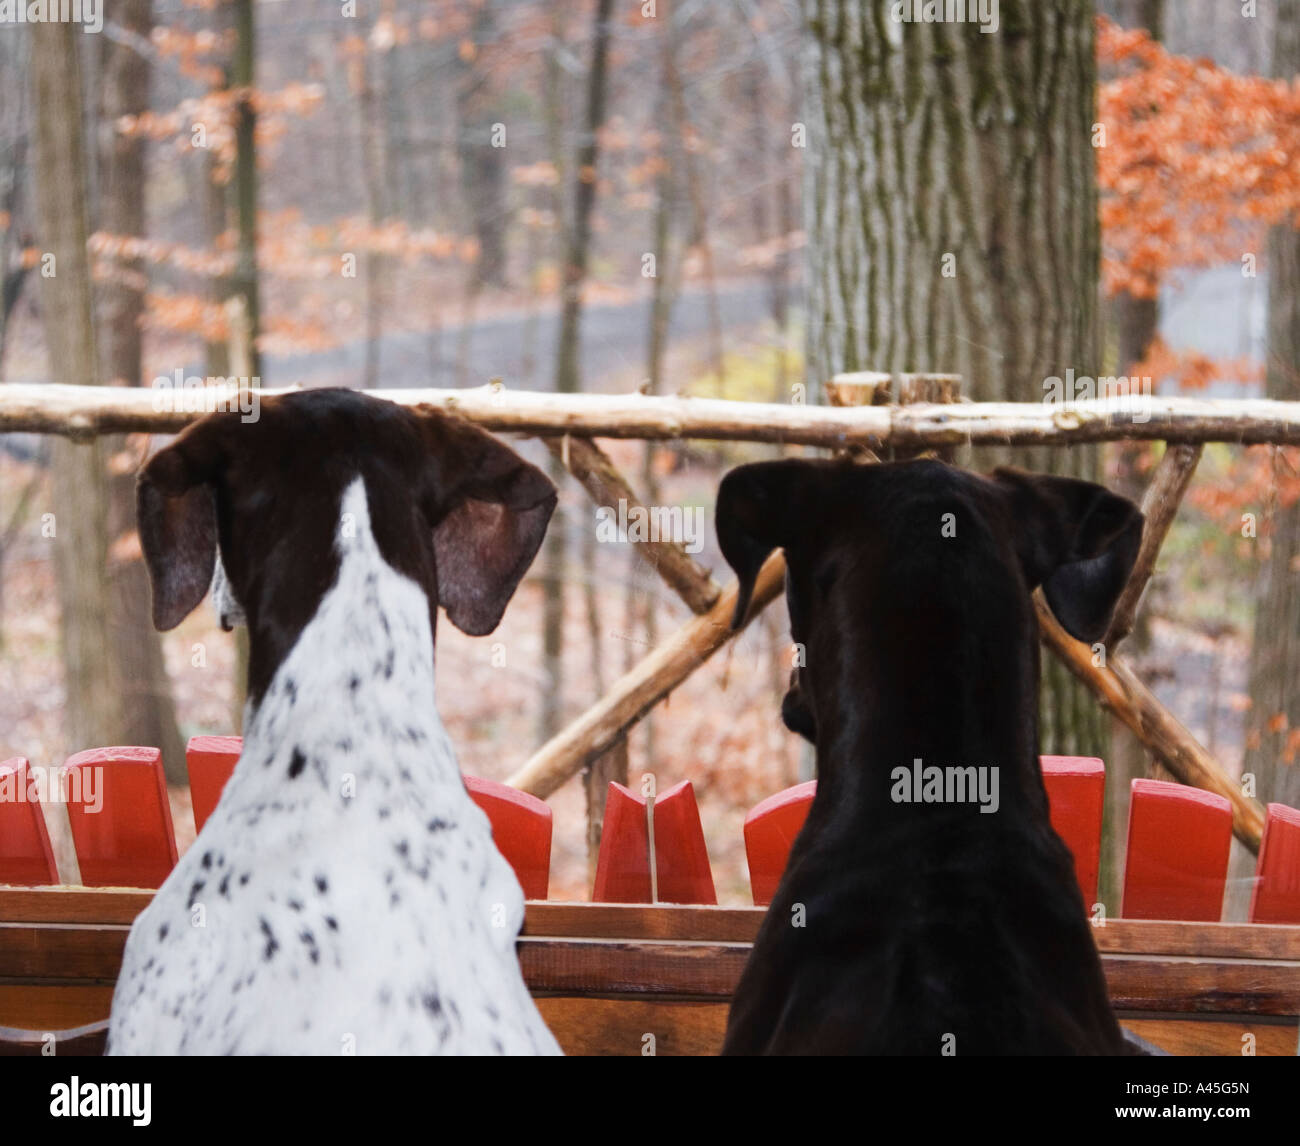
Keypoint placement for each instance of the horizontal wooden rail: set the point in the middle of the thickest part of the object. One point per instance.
(607, 975)
(85, 411)
(75, 908)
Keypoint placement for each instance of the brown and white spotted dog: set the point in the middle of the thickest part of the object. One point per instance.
(345, 896)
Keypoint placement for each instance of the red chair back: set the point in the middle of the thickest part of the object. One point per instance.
(681, 857)
(521, 830)
(120, 816)
(1178, 841)
(770, 831)
(1276, 896)
(1076, 793)
(25, 854)
(210, 760)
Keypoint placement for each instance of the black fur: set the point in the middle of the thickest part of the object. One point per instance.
(926, 927)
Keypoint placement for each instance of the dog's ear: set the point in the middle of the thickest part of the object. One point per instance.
(1076, 539)
(761, 507)
(489, 510)
(176, 515)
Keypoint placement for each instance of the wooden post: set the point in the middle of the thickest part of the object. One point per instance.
(1160, 506)
(873, 388)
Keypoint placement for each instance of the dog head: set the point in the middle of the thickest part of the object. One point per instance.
(258, 504)
(922, 557)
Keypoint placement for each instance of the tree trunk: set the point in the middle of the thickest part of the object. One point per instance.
(1137, 322)
(952, 221)
(613, 765)
(695, 192)
(245, 278)
(374, 162)
(567, 376)
(14, 117)
(93, 702)
(242, 349)
(148, 712)
(1275, 655)
(483, 159)
(214, 207)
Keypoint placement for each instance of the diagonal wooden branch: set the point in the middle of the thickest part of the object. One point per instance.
(600, 477)
(643, 687)
(1116, 686)
(1119, 689)
(1160, 505)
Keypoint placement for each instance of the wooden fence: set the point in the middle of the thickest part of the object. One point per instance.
(605, 974)
(870, 417)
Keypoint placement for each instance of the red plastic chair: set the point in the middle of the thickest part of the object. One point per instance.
(1178, 841)
(770, 831)
(521, 830)
(1076, 793)
(128, 840)
(681, 858)
(1276, 896)
(25, 854)
(210, 760)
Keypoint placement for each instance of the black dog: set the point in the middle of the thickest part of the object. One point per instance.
(949, 919)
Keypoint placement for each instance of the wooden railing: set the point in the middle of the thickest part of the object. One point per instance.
(607, 976)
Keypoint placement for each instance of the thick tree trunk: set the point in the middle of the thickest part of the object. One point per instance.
(147, 709)
(937, 140)
(93, 704)
(1275, 656)
(952, 221)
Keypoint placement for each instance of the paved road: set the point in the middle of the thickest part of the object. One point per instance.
(1221, 314)
(613, 342)
(1217, 312)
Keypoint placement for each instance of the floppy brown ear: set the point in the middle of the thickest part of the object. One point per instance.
(176, 516)
(759, 509)
(1079, 541)
(489, 509)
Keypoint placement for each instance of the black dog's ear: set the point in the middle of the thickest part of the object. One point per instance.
(176, 516)
(489, 510)
(760, 508)
(1076, 539)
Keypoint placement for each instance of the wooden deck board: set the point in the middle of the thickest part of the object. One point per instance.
(610, 976)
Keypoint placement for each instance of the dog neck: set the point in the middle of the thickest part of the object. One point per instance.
(912, 683)
(361, 671)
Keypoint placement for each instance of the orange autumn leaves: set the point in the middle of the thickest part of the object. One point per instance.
(1195, 163)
